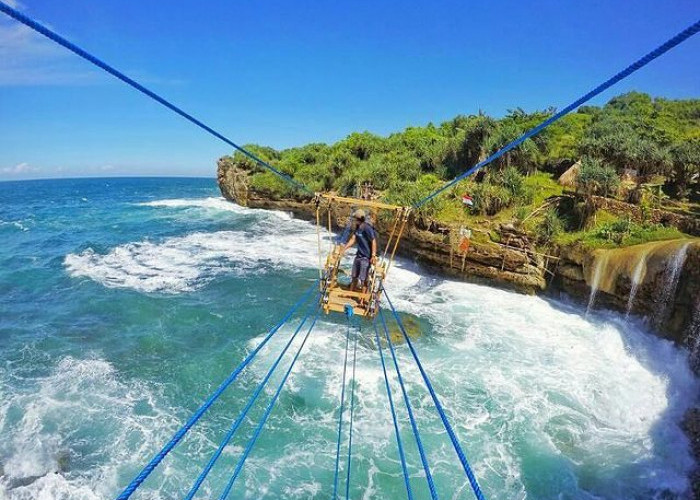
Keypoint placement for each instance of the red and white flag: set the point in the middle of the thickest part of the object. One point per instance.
(467, 200)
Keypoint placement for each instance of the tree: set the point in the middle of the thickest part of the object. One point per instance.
(685, 158)
(364, 144)
(408, 193)
(426, 144)
(564, 137)
(468, 143)
(524, 156)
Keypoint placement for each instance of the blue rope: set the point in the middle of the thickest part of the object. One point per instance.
(121, 76)
(402, 456)
(421, 451)
(136, 482)
(268, 410)
(246, 409)
(352, 409)
(659, 51)
(438, 406)
(340, 418)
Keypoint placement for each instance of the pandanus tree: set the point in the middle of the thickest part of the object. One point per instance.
(468, 142)
(594, 178)
(685, 158)
(525, 156)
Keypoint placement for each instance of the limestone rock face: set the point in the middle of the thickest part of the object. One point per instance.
(658, 280)
(233, 181)
(514, 265)
(668, 295)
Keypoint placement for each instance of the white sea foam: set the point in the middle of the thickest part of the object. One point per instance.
(84, 415)
(521, 379)
(185, 263)
(530, 386)
(213, 204)
(15, 223)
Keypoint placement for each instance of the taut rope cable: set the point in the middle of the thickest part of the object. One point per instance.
(133, 83)
(340, 418)
(136, 482)
(640, 63)
(414, 426)
(352, 410)
(268, 410)
(455, 442)
(229, 435)
(402, 456)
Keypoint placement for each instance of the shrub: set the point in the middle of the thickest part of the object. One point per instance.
(615, 231)
(596, 178)
(489, 199)
(270, 184)
(550, 226)
(407, 193)
(513, 181)
(686, 166)
(521, 213)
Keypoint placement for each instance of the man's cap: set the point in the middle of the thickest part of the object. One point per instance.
(359, 214)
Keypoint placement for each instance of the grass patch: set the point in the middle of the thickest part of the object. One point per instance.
(542, 186)
(614, 232)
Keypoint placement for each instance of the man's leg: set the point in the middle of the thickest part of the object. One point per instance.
(362, 275)
(355, 273)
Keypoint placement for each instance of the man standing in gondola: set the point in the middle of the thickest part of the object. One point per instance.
(366, 238)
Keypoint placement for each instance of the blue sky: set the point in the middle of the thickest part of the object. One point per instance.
(289, 73)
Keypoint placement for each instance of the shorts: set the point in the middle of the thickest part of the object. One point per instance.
(360, 267)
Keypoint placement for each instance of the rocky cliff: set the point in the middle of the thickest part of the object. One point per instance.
(513, 265)
(660, 280)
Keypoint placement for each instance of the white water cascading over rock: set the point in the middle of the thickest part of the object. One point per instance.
(644, 279)
(600, 267)
(672, 275)
(637, 277)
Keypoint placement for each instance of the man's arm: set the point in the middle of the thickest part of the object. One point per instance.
(349, 244)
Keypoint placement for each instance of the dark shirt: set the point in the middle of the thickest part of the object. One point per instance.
(364, 236)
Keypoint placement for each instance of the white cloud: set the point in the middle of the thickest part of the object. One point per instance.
(28, 58)
(19, 169)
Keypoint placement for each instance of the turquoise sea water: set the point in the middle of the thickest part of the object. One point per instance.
(125, 302)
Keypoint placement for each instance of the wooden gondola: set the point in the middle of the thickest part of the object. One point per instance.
(338, 297)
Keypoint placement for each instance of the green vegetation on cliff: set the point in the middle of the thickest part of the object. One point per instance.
(636, 148)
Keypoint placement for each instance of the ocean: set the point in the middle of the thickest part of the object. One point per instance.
(125, 302)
